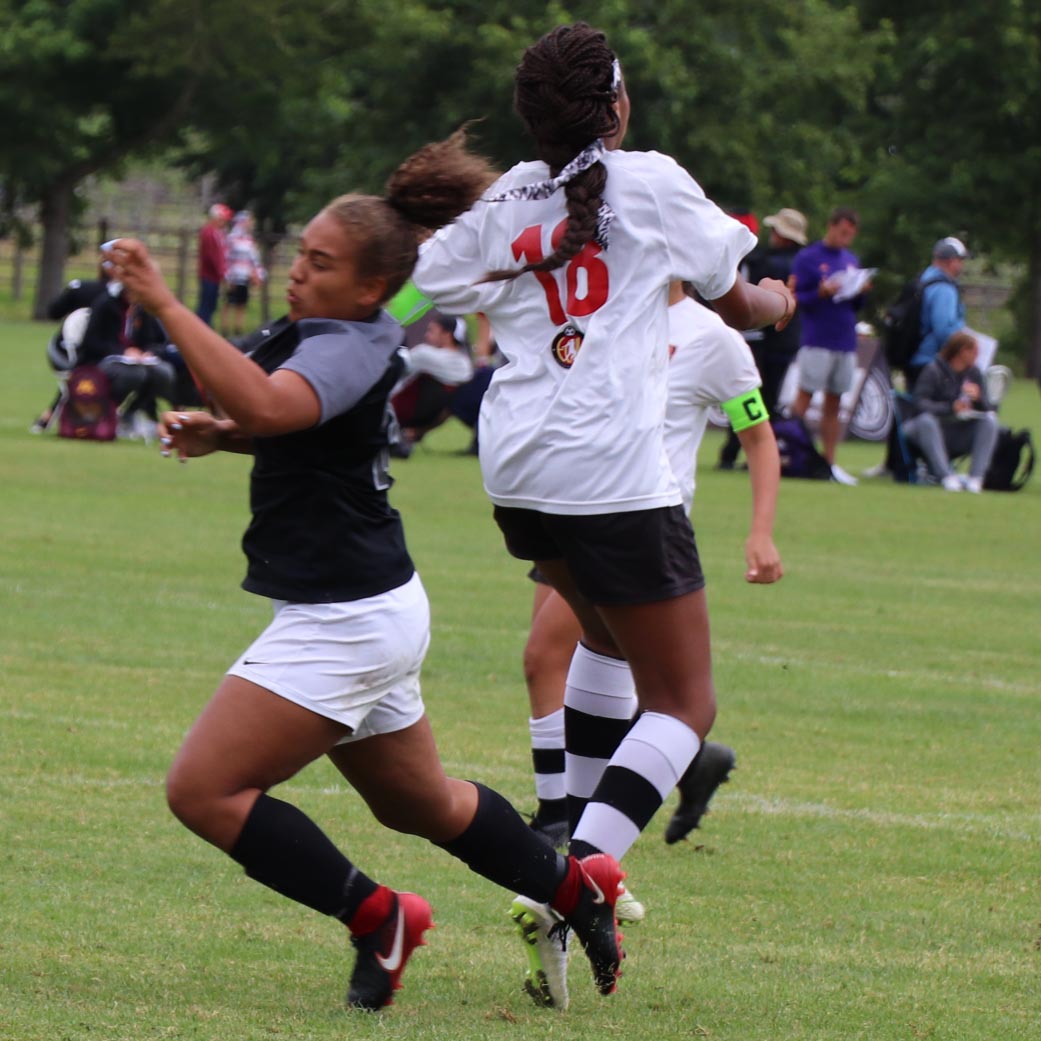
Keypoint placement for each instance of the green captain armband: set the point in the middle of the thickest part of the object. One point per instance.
(408, 305)
(746, 410)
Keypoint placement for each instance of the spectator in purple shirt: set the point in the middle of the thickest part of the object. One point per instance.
(827, 357)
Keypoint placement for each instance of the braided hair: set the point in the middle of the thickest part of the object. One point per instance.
(428, 190)
(565, 92)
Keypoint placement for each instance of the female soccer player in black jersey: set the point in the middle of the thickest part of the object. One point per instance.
(336, 673)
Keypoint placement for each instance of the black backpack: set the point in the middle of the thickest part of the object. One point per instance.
(1012, 463)
(902, 323)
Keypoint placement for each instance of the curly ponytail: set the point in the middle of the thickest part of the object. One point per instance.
(428, 190)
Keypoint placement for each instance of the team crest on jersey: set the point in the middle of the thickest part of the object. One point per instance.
(566, 345)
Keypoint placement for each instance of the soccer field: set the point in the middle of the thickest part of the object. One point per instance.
(871, 871)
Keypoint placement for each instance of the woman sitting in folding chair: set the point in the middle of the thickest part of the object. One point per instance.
(954, 417)
(130, 347)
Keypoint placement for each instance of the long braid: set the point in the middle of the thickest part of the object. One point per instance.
(565, 94)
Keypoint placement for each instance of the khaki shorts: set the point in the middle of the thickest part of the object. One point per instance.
(827, 370)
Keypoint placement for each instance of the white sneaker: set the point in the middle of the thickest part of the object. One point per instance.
(145, 429)
(840, 475)
(545, 936)
(627, 908)
(878, 470)
(974, 485)
(952, 483)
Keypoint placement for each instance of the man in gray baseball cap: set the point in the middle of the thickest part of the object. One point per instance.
(950, 248)
(943, 312)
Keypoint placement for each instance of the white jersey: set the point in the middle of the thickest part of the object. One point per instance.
(573, 422)
(711, 363)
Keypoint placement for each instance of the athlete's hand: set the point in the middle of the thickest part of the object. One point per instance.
(129, 262)
(189, 434)
(775, 285)
(763, 562)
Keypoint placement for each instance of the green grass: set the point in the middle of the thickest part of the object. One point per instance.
(870, 872)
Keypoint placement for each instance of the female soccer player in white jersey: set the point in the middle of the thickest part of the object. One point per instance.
(336, 673)
(571, 257)
(710, 365)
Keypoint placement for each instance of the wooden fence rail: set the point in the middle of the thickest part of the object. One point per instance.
(174, 247)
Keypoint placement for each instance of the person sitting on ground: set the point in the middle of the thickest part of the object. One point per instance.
(80, 292)
(77, 295)
(465, 403)
(434, 369)
(131, 349)
(954, 416)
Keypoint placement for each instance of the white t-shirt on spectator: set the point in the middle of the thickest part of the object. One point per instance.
(445, 364)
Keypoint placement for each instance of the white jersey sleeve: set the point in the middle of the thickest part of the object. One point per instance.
(705, 245)
(710, 364)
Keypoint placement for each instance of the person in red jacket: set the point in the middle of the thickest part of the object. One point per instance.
(212, 260)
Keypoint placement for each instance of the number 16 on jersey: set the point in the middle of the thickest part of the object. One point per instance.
(585, 274)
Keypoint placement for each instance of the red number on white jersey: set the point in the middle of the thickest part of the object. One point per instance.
(585, 275)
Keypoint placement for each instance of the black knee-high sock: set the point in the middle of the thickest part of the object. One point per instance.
(500, 846)
(282, 848)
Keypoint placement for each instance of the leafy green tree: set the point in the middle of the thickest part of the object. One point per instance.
(86, 83)
(958, 138)
(759, 103)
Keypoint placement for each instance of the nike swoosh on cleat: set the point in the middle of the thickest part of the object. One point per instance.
(598, 893)
(393, 961)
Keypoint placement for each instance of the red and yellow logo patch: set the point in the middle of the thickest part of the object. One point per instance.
(566, 345)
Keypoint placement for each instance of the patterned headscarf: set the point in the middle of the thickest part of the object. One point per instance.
(544, 189)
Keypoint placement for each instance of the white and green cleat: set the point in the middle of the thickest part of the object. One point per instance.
(628, 908)
(545, 937)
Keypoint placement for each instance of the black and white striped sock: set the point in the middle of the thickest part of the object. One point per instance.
(649, 761)
(547, 756)
(599, 703)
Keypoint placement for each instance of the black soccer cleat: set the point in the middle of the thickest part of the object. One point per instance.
(382, 954)
(554, 833)
(593, 919)
(706, 773)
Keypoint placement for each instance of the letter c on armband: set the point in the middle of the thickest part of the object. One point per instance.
(746, 410)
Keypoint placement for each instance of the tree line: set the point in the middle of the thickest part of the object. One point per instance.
(926, 117)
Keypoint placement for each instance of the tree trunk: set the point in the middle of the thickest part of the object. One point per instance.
(1033, 307)
(55, 210)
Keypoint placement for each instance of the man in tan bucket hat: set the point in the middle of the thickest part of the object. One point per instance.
(787, 224)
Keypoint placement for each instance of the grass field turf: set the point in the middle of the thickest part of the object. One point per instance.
(870, 871)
